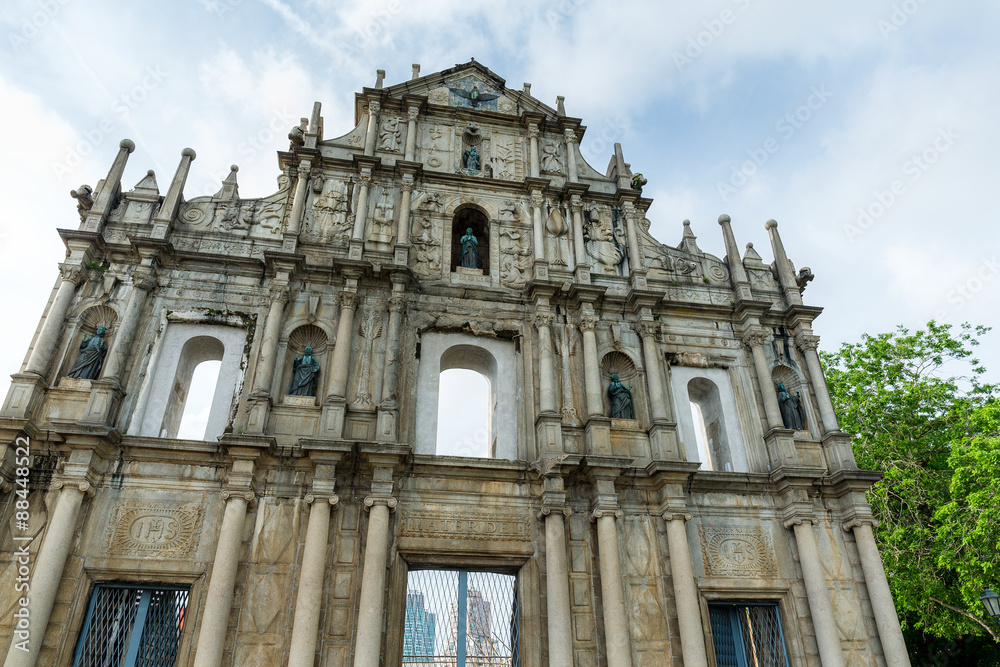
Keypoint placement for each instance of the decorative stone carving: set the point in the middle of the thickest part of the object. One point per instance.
(604, 242)
(437, 147)
(466, 527)
(504, 166)
(84, 200)
(515, 257)
(328, 220)
(552, 161)
(381, 223)
(390, 134)
(154, 530)
(92, 351)
(425, 239)
(369, 329)
(738, 552)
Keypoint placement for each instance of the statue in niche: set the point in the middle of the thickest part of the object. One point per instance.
(470, 251)
(792, 414)
(305, 368)
(622, 406)
(92, 351)
(470, 158)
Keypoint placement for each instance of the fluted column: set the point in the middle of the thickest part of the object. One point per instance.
(890, 634)
(557, 587)
(568, 408)
(48, 570)
(685, 591)
(571, 171)
(369, 635)
(650, 351)
(820, 607)
(411, 133)
(591, 366)
(299, 198)
(579, 244)
(533, 155)
(808, 344)
(361, 215)
(142, 283)
(536, 219)
(45, 344)
(546, 369)
(269, 346)
(219, 599)
(754, 338)
(342, 348)
(305, 625)
(373, 110)
(612, 590)
(403, 223)
(390, 380)
(635, 254)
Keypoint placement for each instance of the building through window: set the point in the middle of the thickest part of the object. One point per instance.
(747, 635)
(129, 626)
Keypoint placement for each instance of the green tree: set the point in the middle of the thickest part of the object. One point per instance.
(918, 410)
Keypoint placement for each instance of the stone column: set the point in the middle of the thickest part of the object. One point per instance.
(48, 569)
(820, 607)
(299, 198)
(45, 344)
(737, 272)
(219, 599)
(390, 380)
(142, 283)
(358, 232)
(785, 276)
(533, 155)
(305, 625)
(369, 627)
(754, 338)
(411, 133)
(612, 590)
(571, 171)
(172, 200)
(403, 224)
(373, 110)
(685, 592)
(634, 253)
(546, 369)
(342, 349)
(808, 344)
(579, 245)
(566, 346)
(591, 366)
(269, 345)
(557, 587)
(886, 619)
(536, 218)
(648, 329)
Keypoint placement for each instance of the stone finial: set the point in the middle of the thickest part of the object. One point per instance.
(230, 188)
(379, 77)
(127, 144)
(147, 187)
(561, 105)
(771, 224)
(724, 219)
(526, 88)
(416, 71)
(688, 240)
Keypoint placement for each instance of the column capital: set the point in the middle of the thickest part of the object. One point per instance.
(754, 336)
(348, 300)
(647, 328)
(332, 498)
(543, 319)
(83, 486)
(588, 322)
(533, 130)
(569, 135)
(799, 518)
(806, 342)
(600, 512)
(412, 113)
(278, 293)
(557, 509)
(143, 280)
(860, 520)
(536, 199)
(407, 184)
(677, 516)
(388, 501)
(397, 302)
(246, 495)
(71, 273)
(374, 107)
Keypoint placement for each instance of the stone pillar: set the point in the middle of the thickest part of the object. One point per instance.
(299, 198)
(358, 232)
(533, 155)
(579, 245)
(893, 646)
(403, 223)
(536, 218)
(785, 276)
(373, 110)
(48, 569)
(106, 197)
(142, 283)
(269, 345)
(369, 627)
(820, 607)
(612, 590)
(388, 406)
(45, 344)
(754, 338)
(172, 200)
(685, 592)
(648, 329)
(305, 625)
(219, 599)
(634, 252)
(591, 366)
(571, 172)
(808, 344)
(738, 274)
(557, 587)
(342, 349)
(411, 133)
(546, 369)
(568, 408)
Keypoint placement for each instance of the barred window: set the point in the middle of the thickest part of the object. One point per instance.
(461, 618)
(131, 626)
(747, 635)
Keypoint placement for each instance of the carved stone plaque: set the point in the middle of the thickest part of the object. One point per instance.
(150, 530)
(737, 552)
(464, 527)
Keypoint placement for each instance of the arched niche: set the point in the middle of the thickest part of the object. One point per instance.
(182, 347)
(707, 418)
(492, 358)
(782, 374)
(620, 364)
(90, 319)
(306, 335)
(470, 216)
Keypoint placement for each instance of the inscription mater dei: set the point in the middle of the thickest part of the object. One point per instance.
(477, 527)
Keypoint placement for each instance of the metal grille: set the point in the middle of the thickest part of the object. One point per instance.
(747, 635)
(131, 627)
(461, 618)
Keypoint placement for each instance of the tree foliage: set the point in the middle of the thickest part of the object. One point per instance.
(920, 412)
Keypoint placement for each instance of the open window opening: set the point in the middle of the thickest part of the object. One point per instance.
(464, 618)
(709, 424)
(466, 219)
(198, 404)
(465, 409)
(747, 635)
(188, 399)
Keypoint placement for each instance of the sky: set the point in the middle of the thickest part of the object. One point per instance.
(865, 128)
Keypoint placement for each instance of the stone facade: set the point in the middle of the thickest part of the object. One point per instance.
(295, 522)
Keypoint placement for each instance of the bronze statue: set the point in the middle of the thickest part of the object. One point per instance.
(622, 406)
(470, 252)
(792, 415)
(92, 351)
(470, 158)
(304, 368)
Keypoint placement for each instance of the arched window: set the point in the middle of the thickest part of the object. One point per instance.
(195, 353)
(707, 418)
(470, 217)
(465, 414)
(198, 403)
(709, 424)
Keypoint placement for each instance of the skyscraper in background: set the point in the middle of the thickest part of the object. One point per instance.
(418, 634)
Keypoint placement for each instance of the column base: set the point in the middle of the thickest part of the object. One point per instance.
(598, 436)
(663, 441)
(334, 413)
(105, 399)
(23, 397)
(401, 255)
(548, 433)
(258, 410)
(355, 249)
(781, 447)
(638, 280)
(582, 274)
(540, 270)
(388, 414)
(838, 451)
(289, 243)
